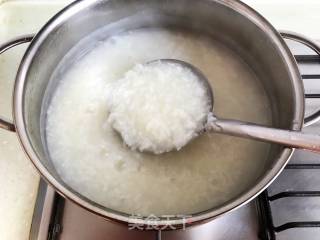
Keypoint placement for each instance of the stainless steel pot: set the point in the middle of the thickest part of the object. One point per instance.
(240, 28)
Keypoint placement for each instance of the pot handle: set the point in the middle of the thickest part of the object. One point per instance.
(315, 117)
(4, 123)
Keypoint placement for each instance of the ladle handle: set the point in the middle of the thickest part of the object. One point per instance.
(266, 134)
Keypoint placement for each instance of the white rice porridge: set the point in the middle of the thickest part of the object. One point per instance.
(90, 156)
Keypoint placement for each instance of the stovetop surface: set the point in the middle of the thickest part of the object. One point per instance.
(267, 217)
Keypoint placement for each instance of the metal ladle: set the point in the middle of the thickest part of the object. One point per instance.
(237, 128)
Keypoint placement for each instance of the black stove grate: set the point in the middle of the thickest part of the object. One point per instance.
(268, 231)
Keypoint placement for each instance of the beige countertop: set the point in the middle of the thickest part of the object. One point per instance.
(18, 179)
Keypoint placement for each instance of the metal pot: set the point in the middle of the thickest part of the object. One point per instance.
(232, 22)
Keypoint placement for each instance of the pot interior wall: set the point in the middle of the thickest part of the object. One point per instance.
(243, 35)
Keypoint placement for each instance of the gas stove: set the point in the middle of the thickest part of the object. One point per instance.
(288, 209)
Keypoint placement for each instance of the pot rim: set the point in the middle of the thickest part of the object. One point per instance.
(245, 197)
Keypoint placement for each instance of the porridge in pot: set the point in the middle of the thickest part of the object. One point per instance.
(91, 157)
